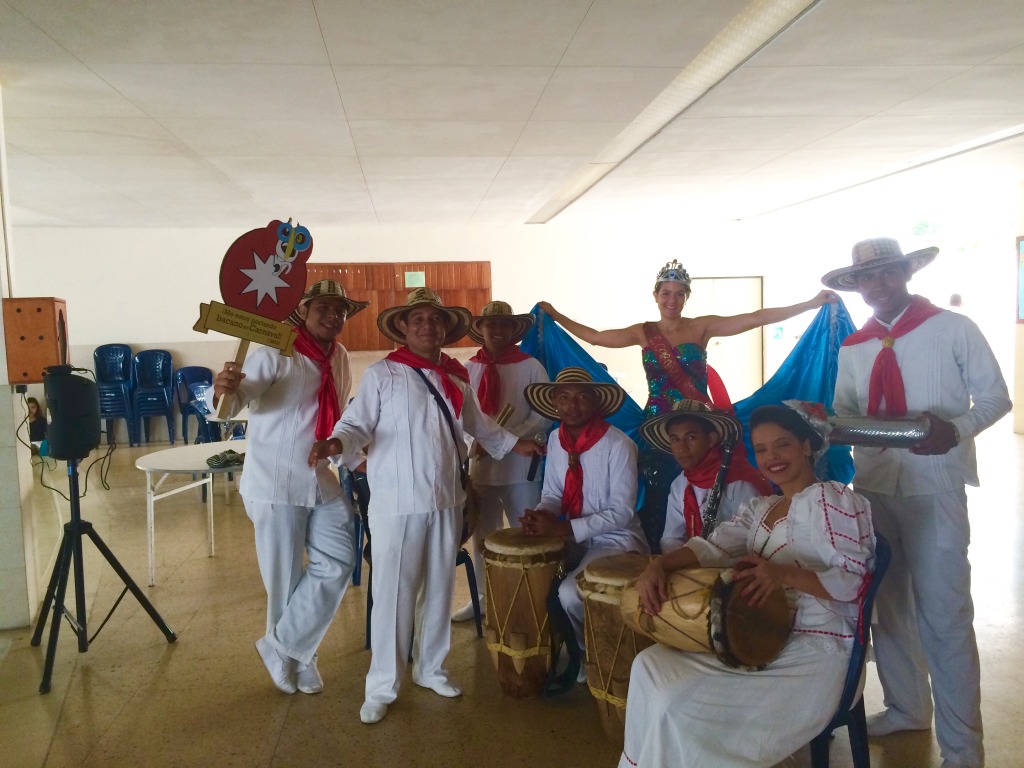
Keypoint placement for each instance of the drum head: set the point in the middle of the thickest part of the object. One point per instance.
(754, 637)
(512, 541)
(617, 570)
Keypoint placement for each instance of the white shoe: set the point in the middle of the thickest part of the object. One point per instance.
(465, 613)
(444, 688)
(372, 712)
(581, 676)
(307, 677)
(280, 667)
(890, 721)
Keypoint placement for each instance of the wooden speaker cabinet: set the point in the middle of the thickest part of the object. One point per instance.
(35, 330)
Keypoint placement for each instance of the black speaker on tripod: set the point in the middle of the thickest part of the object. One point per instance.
(73, 432)
(74, 403)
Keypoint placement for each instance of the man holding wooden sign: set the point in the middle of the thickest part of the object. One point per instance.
(297, 512)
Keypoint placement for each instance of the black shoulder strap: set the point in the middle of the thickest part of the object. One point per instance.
(448, 419)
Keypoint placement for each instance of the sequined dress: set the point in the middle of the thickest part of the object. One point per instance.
(661, 393)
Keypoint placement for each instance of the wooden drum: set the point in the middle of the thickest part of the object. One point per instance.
(519, 570)
(704, 614)
(611, 645)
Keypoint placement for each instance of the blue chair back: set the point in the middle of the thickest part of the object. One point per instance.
(154, 370)
(851, 704)
(185, 377)
(113, 363)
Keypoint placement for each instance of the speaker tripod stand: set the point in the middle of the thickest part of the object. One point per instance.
(70, 556)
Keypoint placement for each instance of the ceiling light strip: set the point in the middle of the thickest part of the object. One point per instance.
(749, 31)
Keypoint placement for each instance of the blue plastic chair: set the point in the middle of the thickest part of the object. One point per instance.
(851, 705)
(113, 364)
(154, 385)
(184, 378)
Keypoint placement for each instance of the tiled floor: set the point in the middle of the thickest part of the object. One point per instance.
(135, 700)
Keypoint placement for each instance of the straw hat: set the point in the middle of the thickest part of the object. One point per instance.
(655, 429)
(541, 397)
(458, 317)
(502, 311)
(870, 254)
(328, 289)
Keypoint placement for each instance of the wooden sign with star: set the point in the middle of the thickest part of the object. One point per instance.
(262, 279)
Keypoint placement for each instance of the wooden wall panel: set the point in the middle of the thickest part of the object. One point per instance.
(458, 283)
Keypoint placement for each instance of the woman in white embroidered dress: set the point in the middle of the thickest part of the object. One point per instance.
(816, 541)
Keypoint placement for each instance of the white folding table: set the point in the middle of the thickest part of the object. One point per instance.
(183, 460)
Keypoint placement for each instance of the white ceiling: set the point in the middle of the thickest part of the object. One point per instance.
(196, 113)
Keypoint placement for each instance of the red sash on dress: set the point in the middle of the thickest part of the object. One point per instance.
(886, 382)
(489, 390)
(328, 408)
(572, 493)
(446, 366)
(665, 354)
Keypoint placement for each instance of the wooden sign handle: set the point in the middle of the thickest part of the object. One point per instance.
(226, 401)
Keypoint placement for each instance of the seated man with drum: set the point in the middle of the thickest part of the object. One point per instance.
(590, 483)
(815, 541)
(716, 479)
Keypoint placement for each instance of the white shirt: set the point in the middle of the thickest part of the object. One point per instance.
(411, 462)
(523, 422)
(733, 496)
(828, 530)
(948, 368)
(282, 396)
(609, 519)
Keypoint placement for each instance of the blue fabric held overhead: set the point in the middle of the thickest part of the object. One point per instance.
(807, 373)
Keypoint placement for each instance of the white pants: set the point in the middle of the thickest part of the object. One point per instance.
(500, 506)
(569, 592)
(301, 602)
(413, 558)
(924, 620)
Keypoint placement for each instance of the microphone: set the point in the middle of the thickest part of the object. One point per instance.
(540, 438)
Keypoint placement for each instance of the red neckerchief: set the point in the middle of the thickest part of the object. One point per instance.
(886, 379)
(328, 408)
(447, 367)
(572, 493)
(704, 476)
(489, 390)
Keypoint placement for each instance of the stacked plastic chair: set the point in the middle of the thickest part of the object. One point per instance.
(154, 387)
(184, 379)
(113, 364)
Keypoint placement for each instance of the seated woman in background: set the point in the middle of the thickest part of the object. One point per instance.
(816, 541)
(36, 421)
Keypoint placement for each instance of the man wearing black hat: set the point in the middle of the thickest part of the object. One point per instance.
(913, 358)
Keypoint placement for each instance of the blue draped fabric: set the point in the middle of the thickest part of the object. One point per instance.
(808, 373)
(556, 349)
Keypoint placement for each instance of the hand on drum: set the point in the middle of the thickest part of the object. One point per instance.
(540, 522)
(652, 589)
(761, 578)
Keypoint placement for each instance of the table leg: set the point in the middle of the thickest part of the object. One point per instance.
(209, 511)
(150, 535)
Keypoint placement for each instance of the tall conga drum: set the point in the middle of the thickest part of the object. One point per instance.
(519, 570)
(706, 614)
(611, 645)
